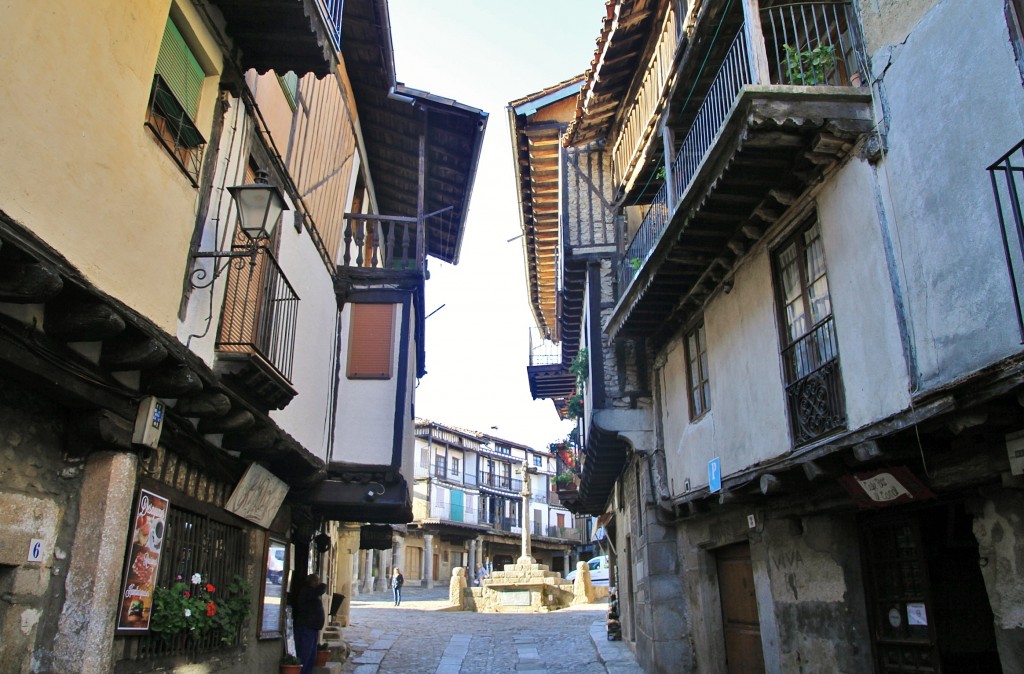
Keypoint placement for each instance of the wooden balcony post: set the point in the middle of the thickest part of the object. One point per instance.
(421, 234)
(670, 155)
(756, 52)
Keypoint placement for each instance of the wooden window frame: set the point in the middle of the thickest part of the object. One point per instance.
(698, 378)
(171, 114)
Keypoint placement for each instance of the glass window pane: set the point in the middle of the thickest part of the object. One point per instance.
(272, 612)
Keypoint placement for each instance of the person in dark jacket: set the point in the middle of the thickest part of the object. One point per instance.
(397, 581)
(308, 620)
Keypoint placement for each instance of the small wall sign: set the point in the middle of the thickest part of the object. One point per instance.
(885, 487)
(916, 614)
(715, 475)
(143, 562)
(258, 496)
(36, 550)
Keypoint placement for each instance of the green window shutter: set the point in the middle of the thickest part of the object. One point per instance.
(180, 69)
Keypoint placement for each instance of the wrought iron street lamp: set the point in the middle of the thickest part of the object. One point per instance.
(259, 206)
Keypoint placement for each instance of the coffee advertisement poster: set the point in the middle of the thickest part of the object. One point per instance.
(148, 529)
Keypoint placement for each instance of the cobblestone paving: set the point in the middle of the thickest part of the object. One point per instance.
(416, 638)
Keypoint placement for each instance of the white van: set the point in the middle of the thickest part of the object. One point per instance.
(598, 571)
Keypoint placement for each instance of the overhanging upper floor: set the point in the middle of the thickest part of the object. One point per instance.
(773, 145)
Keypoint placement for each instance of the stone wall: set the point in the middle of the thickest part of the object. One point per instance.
(38, 500)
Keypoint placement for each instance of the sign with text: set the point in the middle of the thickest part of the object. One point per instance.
(885, 487)
(143, 561)
(715, 475)
(258, 496)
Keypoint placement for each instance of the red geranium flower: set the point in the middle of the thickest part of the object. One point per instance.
(210, 588)
(211, 609)
(187, 594)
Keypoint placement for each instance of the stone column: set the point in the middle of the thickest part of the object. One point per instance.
(85, 637)
(347, 549)
(381, 583)
(471, 566)
(398, 552)
(368, 571)
(525, 558)
(428, 561)
(356, 558)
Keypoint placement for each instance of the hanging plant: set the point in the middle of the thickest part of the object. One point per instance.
(575, 408)
(580, 366)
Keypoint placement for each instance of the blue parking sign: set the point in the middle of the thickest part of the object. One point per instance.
(715, 475)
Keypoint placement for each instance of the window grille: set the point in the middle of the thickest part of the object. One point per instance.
(193, 543)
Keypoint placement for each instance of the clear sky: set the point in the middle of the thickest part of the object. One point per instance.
(485, 53)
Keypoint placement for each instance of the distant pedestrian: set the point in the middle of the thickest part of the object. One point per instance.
(481, 573)
(397, 581)
(309, 620)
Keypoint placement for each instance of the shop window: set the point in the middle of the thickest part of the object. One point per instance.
(272, 599)
(371, 340)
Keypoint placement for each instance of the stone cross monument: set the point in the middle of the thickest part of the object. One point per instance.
(526, 558)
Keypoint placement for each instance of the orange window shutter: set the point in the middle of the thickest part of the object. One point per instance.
(371, 341)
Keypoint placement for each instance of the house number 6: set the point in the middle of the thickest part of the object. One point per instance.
(35, 550)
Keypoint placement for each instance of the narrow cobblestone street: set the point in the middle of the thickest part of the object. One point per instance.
(417, 638)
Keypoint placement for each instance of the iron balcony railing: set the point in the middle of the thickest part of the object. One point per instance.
(331, 11)
(543, 351)
(814, 384)
(500, 481)
(811, 43)
(503, 523)
(382, 242)
(732, 76)
(1007, 176)
(806, 43)
(260, 312)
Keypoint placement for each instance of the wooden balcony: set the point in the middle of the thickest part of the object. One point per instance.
(256, 340)
(284, 35)
(380, 250)
(772, 109)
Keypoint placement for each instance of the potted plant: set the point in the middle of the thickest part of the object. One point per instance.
(290, 664)
(323, 654)
(810, 67)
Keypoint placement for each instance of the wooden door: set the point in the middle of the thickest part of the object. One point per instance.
(437, 566)
(742, 628)
(898, 597)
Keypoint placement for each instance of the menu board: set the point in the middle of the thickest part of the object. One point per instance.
(148, 529)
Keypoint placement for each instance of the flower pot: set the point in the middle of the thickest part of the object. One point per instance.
(322, 657)
(290, 669)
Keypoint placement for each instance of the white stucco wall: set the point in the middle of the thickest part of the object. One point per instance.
(871, 354)
(86, 175)
(305, 418)
(366, 416)
(952, 91)
(747, 420)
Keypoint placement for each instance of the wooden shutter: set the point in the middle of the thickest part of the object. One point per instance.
(180, 70)
(371, 340)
